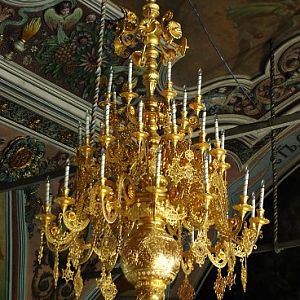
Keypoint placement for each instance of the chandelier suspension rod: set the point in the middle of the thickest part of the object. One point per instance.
(197, 14)
(95, 108)
(274, 148)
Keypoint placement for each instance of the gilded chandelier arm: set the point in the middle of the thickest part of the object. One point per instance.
(217, 261)
(60, 248)
(187, 262)
(110, 204)
(55, 236)
(88, 250)
(72, 223)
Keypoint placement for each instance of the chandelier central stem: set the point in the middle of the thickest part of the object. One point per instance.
(150, 31)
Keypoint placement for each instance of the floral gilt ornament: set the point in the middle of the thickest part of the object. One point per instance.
(145, 192)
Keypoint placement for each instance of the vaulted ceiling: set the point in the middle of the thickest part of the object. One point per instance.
(46, 87)
(240, 29)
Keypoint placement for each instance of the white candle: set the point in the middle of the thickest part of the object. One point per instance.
(115, 98)
(262, 194)
(140, 112)
(79, 134)
(47, 196)
(67, 174)
(209, 149)
(206, 172)
(169, 71)
(130, 71)
(50, 201)
(246, 182)
(204, 120)
(216, 129)
(109, 86)
(107, 111)
(174, 113)
(223, 139)
(87, 123)
(102, 166)
(253, 205)
(158, 165)
(184, 106)
(199, 81)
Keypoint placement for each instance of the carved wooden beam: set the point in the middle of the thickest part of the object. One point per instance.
(279, 122)
(20, 184)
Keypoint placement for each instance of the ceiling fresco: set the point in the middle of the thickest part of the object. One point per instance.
(66, 54)
(240, 29)
(62, 47)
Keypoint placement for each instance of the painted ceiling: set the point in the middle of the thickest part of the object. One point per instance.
(240, 29)
(47, 84)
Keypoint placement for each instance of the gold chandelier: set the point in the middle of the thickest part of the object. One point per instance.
(146, 193)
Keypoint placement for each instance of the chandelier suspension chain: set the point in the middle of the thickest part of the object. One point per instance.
(98, 71)
(274, 148)
(217, 50)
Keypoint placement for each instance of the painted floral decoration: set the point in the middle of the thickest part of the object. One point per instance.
(82, 40)
(75, 59)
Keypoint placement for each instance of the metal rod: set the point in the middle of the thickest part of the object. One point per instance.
(274, 149)
(98, 71)
(217, 50)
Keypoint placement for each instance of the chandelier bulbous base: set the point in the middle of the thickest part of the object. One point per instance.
(150, 259)
(144, 191)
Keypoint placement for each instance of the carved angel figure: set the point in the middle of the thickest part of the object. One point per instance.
(61, 17)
